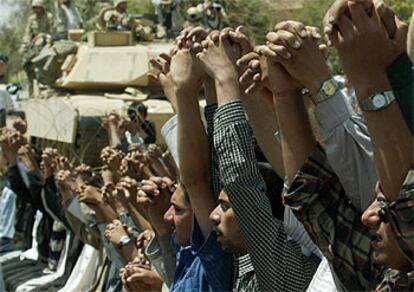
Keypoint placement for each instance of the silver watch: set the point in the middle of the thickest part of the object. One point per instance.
(124, 241)
(377, 101)
(328, 89)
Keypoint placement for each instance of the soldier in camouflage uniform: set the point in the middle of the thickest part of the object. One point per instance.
(39, 25)
(118, 19)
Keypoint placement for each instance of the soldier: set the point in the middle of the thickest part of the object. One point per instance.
(194, 17)
(40, 21)
(169, 17)
(40, 24)
(214, 16)
(67, 17)
(117, 19)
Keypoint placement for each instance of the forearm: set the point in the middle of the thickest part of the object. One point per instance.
(297, 137)
(393, 150)
(158, 168)
(247, 193)
(194, 159)
(348, 148)
(263, 121)
(129, 252)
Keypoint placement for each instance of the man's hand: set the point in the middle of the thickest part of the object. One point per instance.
(341, 7)
(154, 200)
(364, 40)
(26, 155)
(84, 174)
(112, 196)
(89, 195)
(300, 56)
(65, 183)
(219, 55)
(138, 278)
(20, 125)
(164, 78)
(114, 231)
(186, 71)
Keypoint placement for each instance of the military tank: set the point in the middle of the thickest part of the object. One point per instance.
(105, 74)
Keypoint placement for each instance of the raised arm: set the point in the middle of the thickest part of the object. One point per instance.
(193, 151)
(272, 254)
(389, 132)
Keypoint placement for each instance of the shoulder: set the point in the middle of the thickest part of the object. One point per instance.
(50, 16)
(32, 17)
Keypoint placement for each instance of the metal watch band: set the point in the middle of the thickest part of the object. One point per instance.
(322, 95)
(124, 241)
(377, 101)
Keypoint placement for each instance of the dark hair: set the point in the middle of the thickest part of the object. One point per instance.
(135, 108)
(3, 58)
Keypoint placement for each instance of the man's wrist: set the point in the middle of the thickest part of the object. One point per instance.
(366, 87)
(227, 88)
(315, 84)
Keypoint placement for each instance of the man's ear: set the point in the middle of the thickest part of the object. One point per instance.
(410, 39)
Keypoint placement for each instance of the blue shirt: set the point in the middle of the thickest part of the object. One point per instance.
(202, 266)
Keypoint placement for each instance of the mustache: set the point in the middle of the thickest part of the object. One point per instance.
(217, 230)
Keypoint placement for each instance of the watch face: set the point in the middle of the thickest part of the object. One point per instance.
(378, 101)
(329, 88)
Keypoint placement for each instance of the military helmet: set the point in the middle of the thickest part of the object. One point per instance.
(38, 3)
(117, 2)
(194, 14)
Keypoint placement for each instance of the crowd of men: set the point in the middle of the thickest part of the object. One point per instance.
(292, 179)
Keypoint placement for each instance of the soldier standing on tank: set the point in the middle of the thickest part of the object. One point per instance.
(39, 23)
(169, 16)
(213, 16)
(67, 18)
(117, 19)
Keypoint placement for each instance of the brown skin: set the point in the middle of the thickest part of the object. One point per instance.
(39, 11)
(180, 214)
(410, 40)
(387, 251)
(226, 227)
(122, 7)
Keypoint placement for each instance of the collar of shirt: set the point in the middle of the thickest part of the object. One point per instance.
(243, 264)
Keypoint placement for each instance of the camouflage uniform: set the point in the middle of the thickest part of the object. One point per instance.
(37, 27)
(117, 21)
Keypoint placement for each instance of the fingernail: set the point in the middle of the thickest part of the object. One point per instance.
(318, 35)
(296, 44)
(288, 55)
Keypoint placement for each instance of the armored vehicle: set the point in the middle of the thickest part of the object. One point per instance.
(87, 81)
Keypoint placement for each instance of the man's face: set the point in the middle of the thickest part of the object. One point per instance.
(180, 215)
(387, 251)
(410, 39)
(38, 10)
(122, 7)
(226, 226)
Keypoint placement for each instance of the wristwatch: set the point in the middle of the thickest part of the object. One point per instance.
(124, 241)
(377, 101)
(328, 89)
